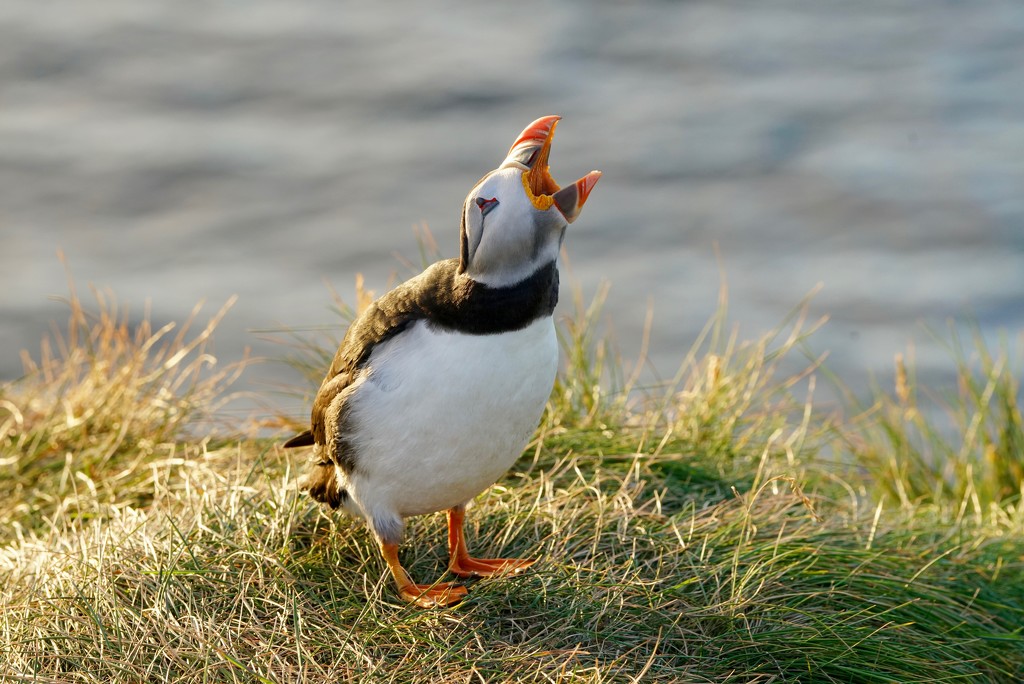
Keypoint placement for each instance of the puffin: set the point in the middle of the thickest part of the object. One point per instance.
(438, 386)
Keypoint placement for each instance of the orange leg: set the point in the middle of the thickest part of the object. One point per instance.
(460, 562)
(424, 595)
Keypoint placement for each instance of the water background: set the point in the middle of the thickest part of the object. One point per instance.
(179, 151)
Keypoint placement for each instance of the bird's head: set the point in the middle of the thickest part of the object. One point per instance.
(514, 218)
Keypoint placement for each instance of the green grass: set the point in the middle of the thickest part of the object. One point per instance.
(715, 529)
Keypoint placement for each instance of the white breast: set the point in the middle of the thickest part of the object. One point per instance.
(441, 416)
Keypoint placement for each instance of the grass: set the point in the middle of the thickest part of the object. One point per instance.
(965, 444)
(717, 529)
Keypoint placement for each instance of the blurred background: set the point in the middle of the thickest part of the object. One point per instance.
(179, 151)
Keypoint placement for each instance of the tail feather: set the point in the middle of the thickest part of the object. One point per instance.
(322, 485)
(300, 440)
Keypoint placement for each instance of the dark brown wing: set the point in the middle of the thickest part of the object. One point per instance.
(443, 297)
(382, 320)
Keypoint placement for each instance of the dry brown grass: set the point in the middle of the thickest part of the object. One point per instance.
(103, 398)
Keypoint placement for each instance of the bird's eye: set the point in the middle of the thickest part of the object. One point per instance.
(486, 205)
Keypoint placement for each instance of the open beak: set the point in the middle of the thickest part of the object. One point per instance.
(530, 151)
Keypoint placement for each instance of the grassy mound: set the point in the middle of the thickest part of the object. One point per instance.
(718, 529)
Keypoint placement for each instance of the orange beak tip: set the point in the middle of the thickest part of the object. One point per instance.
(586, 184)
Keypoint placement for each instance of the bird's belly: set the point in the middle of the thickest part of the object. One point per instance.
(441, 416)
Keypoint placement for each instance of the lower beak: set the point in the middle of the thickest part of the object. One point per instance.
(570, 199)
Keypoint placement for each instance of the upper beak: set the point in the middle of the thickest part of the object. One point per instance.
(530, 151)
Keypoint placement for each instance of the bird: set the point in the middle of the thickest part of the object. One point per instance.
(438, 386)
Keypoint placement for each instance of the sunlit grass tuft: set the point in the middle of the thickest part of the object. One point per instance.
(961, 447)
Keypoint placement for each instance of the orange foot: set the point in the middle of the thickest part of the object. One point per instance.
(488, 567)
(424, 595)
(433, 595)
(460, 562)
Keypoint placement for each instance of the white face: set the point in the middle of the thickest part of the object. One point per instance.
(507, 237)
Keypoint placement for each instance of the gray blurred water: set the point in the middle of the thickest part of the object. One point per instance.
(179, 151)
